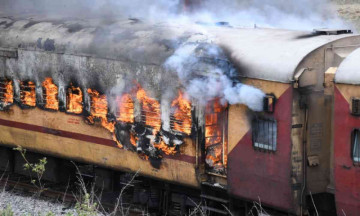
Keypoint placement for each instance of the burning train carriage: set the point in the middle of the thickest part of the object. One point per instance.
(138, 116)
(346, 134)
(123, 97)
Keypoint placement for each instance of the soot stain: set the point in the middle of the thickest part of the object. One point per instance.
(49, 45)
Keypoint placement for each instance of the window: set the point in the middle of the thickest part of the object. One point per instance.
(269, 103)
(355, 106)
(215, 137)
(74, 100)
(355, 150)
(27, 93)
(6, 93)
(264, 134)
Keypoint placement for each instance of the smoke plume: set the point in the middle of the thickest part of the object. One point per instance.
(204, 71)
(301, 14)
(201, 66)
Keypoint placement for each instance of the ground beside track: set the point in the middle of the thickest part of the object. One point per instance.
(22, 203)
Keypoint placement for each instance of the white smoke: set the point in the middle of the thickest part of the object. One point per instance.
(300, 14)
(214, 81)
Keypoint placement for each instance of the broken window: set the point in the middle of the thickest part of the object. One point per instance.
(6, 93)
(27, 93)
(74, 100)
(355, 150)
(264, 134)
(215, 140)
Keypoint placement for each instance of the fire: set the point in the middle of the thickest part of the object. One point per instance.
(150, 110)
(7, 92)
(133, 139)
(27, 95)
(125, 108)
(165, 148)
(99, 109)
(74, 100)
(117, 142)
(214, 157)
(181, 119)
(214, 133)
(51, 94)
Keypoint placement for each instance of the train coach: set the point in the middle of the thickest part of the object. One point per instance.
(345, 136)
(102, 93)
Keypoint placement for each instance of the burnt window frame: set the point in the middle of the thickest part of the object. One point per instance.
(2, 92)
(355, 136)
(75, 85)
(224, 115)
(44, 98)
(271, 146)
(21, 90)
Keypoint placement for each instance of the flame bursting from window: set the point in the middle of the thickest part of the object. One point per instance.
(125, 111)
(150, 110)
(74, 100)
(99, 109)
(6, 92)
(51, 94)
(181, 117)
(27, 93)
(215, 143)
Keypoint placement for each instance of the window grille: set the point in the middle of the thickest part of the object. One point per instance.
(6, 93)
(264, 134)
(355, 106)
(355, 150)
(27, 93)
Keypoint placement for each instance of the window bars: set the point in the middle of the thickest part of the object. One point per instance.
(264, 134)
(6, 92)
(355, 106)
(27, 93)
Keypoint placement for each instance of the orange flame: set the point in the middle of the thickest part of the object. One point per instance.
(133, 139)
(214, 132)
(99, 109)
(7, 92)
(74, 100)
(117, 142)
(215, 159)
(125, 108)
(28, 96)
(182, 115)
(165, 148)
(150, 109)
(51, 94)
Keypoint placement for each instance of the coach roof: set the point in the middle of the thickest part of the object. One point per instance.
(269, 54)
